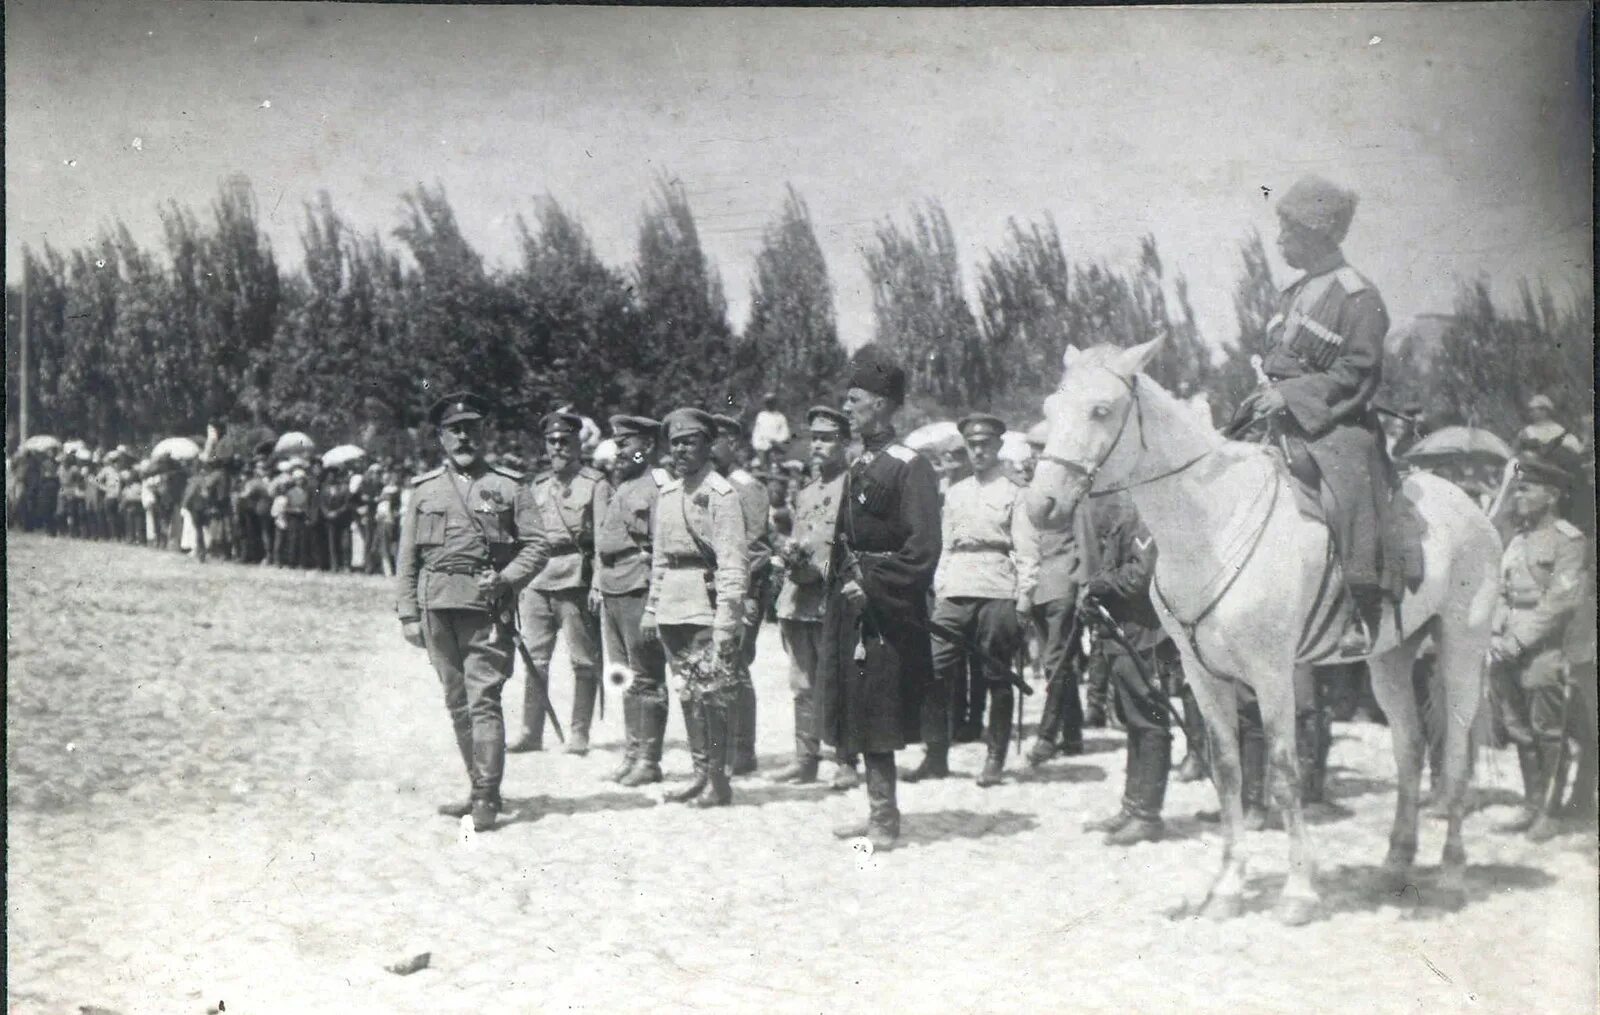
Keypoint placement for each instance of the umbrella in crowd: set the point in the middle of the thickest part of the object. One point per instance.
(1456, 443)
(294, 442)
(75, 448)
(1014, 447)
(41, 442)
(177, 449)
(339, 457)
(934, 436)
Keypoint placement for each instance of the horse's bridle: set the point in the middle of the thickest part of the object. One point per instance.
(1134, 409)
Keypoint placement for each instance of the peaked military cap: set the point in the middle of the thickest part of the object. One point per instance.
(1542, 402)
(561, 422)
(1320, 206)
(687, 421)
(1535, 468)
(633, 426)
(873, 371)
(727, 425)
(981, 424)
(827, 419)
(457, 407)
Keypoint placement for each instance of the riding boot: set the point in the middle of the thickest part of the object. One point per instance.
(806, 752)
(1125, 814)
(1528, 761)
(464, 745)
(489, 755)
(1311, 753)
(631, 734)
(1361, 622)
(1195, 765)
(1097, 692)
(1146, 792)
(699, 752)
(717, 719)
(1045, 744)
(744, 729)
(535, 692)
(998, 737)
(652, 731)
(935, 764)
(585, 690)
(1545, 824)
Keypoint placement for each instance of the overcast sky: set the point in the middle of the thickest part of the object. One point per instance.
(1465, 129)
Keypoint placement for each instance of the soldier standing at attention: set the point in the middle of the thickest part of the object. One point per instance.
(987, 573)
(697, 596)
(1541, 584)
(753, 501)
(622, 543)
(802, 599)
(878, 662)
(470, 537)
(558, 599)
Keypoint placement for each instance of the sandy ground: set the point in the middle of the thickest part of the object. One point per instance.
(221, 792)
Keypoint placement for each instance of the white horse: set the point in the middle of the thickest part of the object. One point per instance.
(1247, 588)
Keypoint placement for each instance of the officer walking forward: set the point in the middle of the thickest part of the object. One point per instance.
(806, 557)
(1541, 583)
(559, 598)
(879, 662)
(696, 601)
(623, 546)
(469, 539)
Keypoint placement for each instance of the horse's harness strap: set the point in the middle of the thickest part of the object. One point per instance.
(1191, 626)
(1135, 409)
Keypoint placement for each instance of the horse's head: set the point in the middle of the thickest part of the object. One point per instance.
(1094, 429)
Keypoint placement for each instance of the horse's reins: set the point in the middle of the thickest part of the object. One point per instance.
(1136, 409)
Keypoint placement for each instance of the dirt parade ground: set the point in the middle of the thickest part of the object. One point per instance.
(221, 792)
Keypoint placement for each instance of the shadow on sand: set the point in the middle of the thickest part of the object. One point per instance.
(521, 810)
(926, 827)
(1365, 888)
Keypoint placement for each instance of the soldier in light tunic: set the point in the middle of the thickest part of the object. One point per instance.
(698, 572)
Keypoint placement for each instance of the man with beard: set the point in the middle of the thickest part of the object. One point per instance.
(469, 539)
(622, 543)
(558, 599)
(697, 597)
(879, 660)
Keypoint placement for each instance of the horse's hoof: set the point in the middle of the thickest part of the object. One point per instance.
(1451, 887)
(1396, 876)
(1297, 911)
(1221, 907)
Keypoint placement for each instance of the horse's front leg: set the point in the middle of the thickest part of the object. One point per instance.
(1219, 706)
(1299, 903)
(1391, 685)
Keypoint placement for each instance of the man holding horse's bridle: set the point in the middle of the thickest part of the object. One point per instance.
(1323, 361)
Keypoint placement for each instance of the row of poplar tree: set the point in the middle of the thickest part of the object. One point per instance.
(128, 343)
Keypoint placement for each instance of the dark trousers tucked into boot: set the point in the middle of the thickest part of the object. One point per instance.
(1196, 764)
(631, 719)
(717, 720)
(535, 693)
(1060, 723)
(998, 736)
(585, 690)
(882, 827)
(699, 753)
(464, 745)
(1145, 791)
(744, 730)
(1313, 737)
(935, 762)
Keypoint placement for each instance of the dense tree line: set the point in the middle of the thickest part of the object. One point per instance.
(130, 343)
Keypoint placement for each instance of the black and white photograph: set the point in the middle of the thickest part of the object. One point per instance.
(545, 508)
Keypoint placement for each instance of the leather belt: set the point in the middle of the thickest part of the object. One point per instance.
(686, 561)
(460, 569)
(610, 559)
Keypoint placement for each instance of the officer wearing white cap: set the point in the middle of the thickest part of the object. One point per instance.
(469, 539)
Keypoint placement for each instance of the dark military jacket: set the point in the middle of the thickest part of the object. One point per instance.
(1124, 562)
(889, 542)
(443, 548)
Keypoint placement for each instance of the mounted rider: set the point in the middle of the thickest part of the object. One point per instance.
(1323, 361)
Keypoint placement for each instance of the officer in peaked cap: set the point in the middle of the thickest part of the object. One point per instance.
(623, 540)
(564, 597)
(469, 539)
(697, 597)
(1541, 584)
(725, 455)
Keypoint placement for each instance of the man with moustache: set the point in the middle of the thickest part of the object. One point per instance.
(695, 606)
(623, 540)
(561, 598)
(470, 537)
(806, 556)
